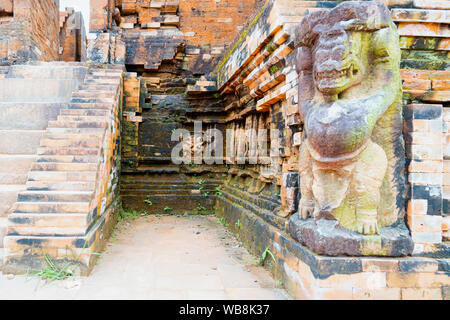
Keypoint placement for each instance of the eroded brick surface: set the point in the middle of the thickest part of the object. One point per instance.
(30, 31)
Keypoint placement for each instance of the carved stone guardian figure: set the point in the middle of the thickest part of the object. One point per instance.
(352, 161)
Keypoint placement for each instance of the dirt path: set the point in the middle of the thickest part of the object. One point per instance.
(163, 257)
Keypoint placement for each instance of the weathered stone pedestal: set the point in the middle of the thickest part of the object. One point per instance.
(326, 237)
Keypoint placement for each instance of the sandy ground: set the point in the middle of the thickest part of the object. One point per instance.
(164, 257)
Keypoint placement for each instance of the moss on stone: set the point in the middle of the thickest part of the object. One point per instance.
(242, 37)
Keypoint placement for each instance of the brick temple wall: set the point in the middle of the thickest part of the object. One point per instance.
(29, 30)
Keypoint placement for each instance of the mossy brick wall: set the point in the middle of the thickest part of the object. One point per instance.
(130, 120)
(107, 188)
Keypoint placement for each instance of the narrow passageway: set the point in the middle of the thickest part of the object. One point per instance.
(165, 257)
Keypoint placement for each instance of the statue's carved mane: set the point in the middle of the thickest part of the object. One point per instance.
(371, 16)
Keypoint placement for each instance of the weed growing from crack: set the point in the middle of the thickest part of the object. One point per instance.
(264, 256)
(53, 272)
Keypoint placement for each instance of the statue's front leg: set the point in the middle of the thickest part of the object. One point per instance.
(367, 180)
(306, 204)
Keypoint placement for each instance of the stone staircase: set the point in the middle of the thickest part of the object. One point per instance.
(57, 208)
(30, 97)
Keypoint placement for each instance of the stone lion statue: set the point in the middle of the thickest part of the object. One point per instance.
(352, 157)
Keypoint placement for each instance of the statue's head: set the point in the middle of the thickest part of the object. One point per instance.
(337, 61)
(340, 46)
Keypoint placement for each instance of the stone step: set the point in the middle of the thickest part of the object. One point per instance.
(28, 116)
(91, 100)
(108, 87)
(75, 131)
(62, 166)
(313, 4)
(42, 224)
(73, 136)
(113, 80)
(103, 77)
(109, 68)
(93, 95)
(55, 196)
(259, 200)
(105, 71)
(8, 196)
(13, 178)
(51, 207)
(4, 69)
(100, 80)
(77, 143)
(84, 112)
(62, 175)
(61, 186)
(16, 163)
(63, 151)
(77, 124)
(81, 118)
(91, 106)
(3, 232)
(57, 63)
(20, 141)
(67, 159)
(51, 243)
(36, 90)
(48, 72)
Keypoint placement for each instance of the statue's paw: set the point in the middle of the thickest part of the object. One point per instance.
(306, 209)
(368, 227)
(367, 222)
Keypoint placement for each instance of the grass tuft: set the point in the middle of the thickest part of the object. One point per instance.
(53, 272)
